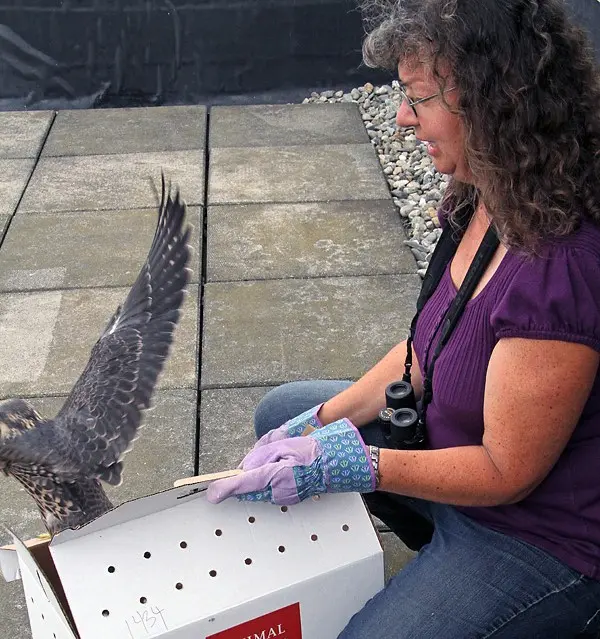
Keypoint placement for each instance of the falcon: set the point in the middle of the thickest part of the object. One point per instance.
(61, 462)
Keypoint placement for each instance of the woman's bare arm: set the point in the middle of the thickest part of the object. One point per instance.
(535, 393)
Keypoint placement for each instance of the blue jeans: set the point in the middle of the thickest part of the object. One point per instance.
(467, 581)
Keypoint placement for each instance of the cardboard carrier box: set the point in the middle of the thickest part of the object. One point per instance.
(171, 565)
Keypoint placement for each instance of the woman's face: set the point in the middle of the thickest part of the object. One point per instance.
(434, 124)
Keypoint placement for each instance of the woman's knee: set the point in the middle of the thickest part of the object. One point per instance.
(288, 400)
(270, 411)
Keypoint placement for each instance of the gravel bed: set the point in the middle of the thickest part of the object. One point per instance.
(415, 185)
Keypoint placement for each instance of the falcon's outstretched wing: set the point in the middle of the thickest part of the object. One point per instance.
(100, 419)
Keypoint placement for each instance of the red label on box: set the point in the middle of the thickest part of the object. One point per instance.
(280, 624)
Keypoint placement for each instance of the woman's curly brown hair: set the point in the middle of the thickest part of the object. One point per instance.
(529, 97)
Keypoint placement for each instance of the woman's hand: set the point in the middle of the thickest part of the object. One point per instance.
(332, 458)
(292, 428)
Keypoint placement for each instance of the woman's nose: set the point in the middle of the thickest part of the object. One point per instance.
(405, 116)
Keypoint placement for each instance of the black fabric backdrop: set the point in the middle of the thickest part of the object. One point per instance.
(95, 53)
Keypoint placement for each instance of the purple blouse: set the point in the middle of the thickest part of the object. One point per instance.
(555, 296)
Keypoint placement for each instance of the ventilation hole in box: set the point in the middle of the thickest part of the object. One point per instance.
(251, 520)
(345, 528)
(183, 544)
(111, 569)
(218, 532)
(281, 549)
(147, 555)
(179, 586)
(43, 618)
(143, 600)
(105, 613)
(247, 561)
(313, 537)
(284, 509)
(212, 573)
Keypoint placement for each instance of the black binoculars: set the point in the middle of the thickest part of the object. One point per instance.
(400, 419)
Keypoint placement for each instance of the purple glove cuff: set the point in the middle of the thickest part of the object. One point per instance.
(296, 426)
(292, 428)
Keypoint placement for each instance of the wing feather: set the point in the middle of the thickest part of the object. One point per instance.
(103, 413)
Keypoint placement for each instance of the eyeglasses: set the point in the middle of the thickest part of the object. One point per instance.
(412, 103)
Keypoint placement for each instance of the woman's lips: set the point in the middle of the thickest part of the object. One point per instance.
(432, 148)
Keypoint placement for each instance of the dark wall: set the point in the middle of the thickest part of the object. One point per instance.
(112, 52)
(166, 50)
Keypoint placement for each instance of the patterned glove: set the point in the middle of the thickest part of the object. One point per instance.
(332, 458)
(292, 428)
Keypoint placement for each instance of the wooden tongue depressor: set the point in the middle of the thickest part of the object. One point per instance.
(30, 543)
(198, 479)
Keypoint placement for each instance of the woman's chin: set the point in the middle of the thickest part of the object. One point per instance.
(443, 165)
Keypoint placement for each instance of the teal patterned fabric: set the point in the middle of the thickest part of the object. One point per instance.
(310, 480)
(345, 461)
(260, 495)
(296, 425)
(339, 462)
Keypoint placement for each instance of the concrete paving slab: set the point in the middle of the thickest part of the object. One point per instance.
(76, 250)
(3, 224)
(23, 132)
(47, 337)
(268, 332)
(226, 426)
(282, 125)
(395, 554)
(136, 130)
(14, 622)
(268, 241)
(163, 453)
(14, 175)
(295, 174)
(104, 182)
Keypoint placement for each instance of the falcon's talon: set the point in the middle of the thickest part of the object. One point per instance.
(61, 461)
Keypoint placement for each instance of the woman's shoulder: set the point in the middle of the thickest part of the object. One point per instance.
(586, 238)
(565, 262)
(555, 293)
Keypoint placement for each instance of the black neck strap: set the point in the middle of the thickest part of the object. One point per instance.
(443, 253)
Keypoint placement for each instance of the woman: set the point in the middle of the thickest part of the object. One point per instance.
(504, 502)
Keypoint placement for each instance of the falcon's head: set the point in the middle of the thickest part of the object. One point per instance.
(17, 416)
